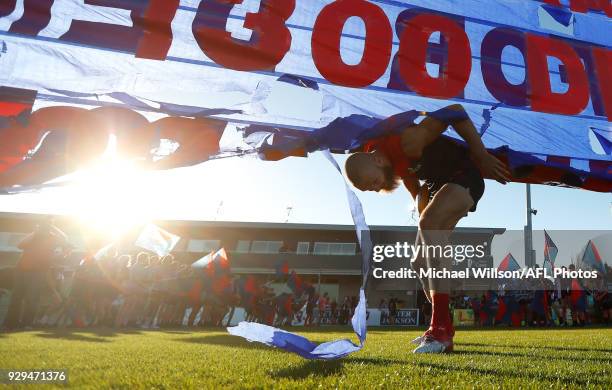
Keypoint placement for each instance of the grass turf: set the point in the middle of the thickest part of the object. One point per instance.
(483, 358)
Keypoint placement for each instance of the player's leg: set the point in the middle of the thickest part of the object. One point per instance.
(420, 262)
(448, 206)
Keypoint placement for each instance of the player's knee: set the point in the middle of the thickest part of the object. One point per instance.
(458, 203)
(430, 221)
(418, 263)
(462, 208)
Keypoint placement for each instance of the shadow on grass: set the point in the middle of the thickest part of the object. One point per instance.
(501, 374)
(378, 361)
(71, 336)
(224, 341)
(506, 328)
(315, 368)
(532, 356)
(319, 368)
(176, 331)
(96, 335)
(567, 349)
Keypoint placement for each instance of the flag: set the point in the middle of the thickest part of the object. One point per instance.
(282, 269)
(508, 264)
(296, 284)
(592, 258)
(104, 251)
(221, 286)
(216, 272)
(550, 249)
(284, 304)
(157, 240)
(248, 290)
(578, 296)
(214, 265)
(550, 253)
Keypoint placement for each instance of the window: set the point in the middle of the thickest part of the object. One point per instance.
(321, 248)
(15, 238)
(303, 248)
(335, 248)
(266, 246)
(203, 245)
(9, 241)
(243, 246)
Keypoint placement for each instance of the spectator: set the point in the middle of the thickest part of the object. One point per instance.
(334, 313)
(41, 249)
(384, 311)
(392, 311)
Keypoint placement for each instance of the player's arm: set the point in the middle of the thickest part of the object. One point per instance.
(415, 140)
(25, 242)
(419, 193)
(412, 185)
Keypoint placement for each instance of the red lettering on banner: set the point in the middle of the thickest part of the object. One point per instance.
(585, 6)
(157, 34)
(36, 16)
(7, 7)
(198, 138)
(72, 137)
(327, 34)
(493, 76)
(413, 57)
(150, 37)
(603, 70)
(543, 99)
(270, 41)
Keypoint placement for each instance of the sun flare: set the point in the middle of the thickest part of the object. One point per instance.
(111, 196)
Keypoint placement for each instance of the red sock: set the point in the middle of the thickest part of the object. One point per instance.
(440, 317)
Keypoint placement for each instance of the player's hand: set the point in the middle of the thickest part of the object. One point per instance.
(492, 168)
(422, 199)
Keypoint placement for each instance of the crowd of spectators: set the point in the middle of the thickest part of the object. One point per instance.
(565, 302)
(144, 290)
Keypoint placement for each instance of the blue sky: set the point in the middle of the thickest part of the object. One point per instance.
(247, 189)
(253, 190)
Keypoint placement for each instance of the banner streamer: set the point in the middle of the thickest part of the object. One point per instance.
(300, 345)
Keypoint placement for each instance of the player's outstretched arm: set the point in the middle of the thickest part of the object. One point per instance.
(415, 139)
(489, 165)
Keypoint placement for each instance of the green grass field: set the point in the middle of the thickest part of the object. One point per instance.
(103, 358)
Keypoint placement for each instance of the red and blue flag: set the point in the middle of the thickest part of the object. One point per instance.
(550, 253)
(509, 263)
(592, 258)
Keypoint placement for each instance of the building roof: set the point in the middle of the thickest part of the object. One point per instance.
(260, 225)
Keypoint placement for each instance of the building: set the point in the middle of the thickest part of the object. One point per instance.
(327, 256)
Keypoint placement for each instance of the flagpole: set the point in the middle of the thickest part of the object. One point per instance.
(529, 252)
(218, 209)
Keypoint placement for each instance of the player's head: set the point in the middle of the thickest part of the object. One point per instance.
(371, 172)
(142, 258)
